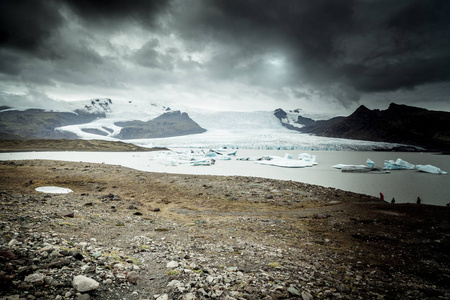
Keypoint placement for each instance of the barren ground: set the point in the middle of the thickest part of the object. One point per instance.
(232, 237)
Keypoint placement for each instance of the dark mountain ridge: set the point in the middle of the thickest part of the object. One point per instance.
(45, 124)
(398, 124)
(39, 123)
(173, 123)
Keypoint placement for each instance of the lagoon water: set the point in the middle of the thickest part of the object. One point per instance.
(404, 185)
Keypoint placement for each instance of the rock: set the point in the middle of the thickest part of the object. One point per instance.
(132, 277)
(13, 242)
(13, 297)
(77, 255)
(163, 297)
(172, 264)
(174, 283)
(156, 209)
(8, 255)
(70, 215)
(84, 284)
(35, 279)
(56, 263)
(306, 296)
(293, 291)
(83, 297)
(189, 296)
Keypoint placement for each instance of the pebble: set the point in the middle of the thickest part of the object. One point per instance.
(172, 264)
(35, 279)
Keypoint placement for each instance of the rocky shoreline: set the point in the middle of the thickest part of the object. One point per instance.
(126, 234)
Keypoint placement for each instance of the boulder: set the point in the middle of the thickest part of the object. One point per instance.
(84, 284)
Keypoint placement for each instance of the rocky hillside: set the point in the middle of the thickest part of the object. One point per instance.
(97, 117)
(39, 123)
(398, 124)
(169, 124)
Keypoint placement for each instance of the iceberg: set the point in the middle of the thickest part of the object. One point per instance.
(305, 160)
(399, 164)
(308, 158)
(203, 162)
(370, 168)
(430, 169)
(363, 169)
(342, 166)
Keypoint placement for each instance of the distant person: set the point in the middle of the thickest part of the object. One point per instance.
(418, 200)
(448, 203)
(381, 196)
(393, 200)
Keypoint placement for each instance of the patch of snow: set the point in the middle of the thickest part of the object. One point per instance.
(53, 190)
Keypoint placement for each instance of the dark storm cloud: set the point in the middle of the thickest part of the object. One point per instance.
(115, 12)
(29, 25)
(370, 46)
(24, 25)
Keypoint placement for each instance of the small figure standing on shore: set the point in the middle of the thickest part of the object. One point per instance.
(393, 200)
(418, 200)
(381, 196)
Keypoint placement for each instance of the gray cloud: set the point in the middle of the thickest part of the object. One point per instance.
(340, 50)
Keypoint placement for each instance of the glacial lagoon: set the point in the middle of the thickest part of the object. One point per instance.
(404, 185)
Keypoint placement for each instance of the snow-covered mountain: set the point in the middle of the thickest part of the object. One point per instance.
(111, 119)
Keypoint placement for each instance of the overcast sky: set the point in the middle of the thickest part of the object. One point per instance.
(321, 55)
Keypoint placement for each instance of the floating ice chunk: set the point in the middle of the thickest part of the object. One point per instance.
(53, 190)
(222, 157)
(211, 154)
(287, 156)
(340, 166)
(308, 157)
(203, 162)
(370, 163)
(399, 164)
(253, 158)
(430, 169)
(287, 162)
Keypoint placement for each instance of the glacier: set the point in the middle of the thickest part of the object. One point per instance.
(225, 129)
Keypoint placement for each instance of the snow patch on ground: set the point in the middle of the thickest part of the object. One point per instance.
(53, 190)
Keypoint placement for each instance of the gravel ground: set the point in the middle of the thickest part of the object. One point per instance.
(126, 234)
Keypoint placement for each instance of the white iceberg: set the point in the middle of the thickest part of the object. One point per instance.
(53, 190)
(430, 169)
(399, 164)
(288, 162)
(203, 162)
(308, 158)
